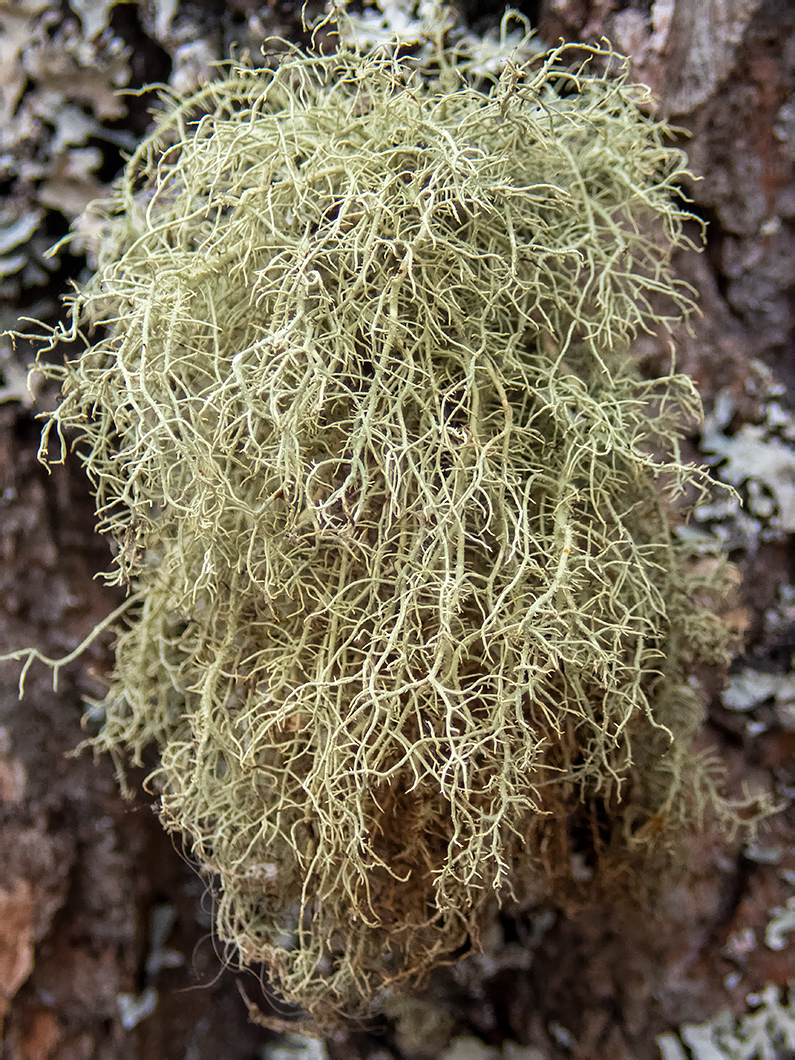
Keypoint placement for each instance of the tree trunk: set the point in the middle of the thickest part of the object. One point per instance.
(106, 945)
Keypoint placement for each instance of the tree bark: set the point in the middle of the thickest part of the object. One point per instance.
(106, 947)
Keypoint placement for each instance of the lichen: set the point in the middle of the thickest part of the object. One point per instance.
(765, 1033)
(391, 499)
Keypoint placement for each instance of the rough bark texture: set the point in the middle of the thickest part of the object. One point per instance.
(101, 918)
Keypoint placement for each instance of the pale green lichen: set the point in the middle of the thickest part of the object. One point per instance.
(390, 496)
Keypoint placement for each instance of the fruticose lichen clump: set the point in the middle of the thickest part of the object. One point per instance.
(392, 502)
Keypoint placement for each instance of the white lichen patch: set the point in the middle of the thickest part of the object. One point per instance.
(767, 1032)
(759, 460)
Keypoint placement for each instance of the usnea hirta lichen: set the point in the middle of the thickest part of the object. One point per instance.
(392, 501)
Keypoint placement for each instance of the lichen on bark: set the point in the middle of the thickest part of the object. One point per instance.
(392, 501)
